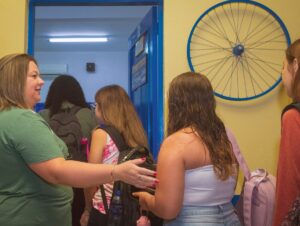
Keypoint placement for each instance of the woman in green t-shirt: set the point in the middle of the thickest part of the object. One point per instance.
(36, 179)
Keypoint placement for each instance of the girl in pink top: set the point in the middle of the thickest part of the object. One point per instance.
(113, 107)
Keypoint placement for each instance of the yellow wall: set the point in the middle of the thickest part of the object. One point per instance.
(256, 123)
(13, 20)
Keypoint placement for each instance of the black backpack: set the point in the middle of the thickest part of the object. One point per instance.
(66, 126)
(130, 211)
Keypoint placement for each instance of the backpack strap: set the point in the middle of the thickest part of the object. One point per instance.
(236, 150)
(292, 105)
(104, 198)
(121, 145)
(257, 177)
(115, 136)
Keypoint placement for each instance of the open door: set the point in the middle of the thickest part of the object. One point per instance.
(145, 78)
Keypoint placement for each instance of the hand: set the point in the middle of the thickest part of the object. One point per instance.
(144, 199)
(130, 173)
(84, 218)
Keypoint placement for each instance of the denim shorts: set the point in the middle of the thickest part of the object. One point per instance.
(221, 215)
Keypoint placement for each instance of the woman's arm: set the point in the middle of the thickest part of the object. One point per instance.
(80, 174)
(168, 198)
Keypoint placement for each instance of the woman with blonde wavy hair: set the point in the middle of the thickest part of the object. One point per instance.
(196, 166)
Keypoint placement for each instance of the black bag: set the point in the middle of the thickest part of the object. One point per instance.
(66, 126)
(293, 216)
(130, 211)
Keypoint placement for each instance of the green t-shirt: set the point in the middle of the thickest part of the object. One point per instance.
(25, 198)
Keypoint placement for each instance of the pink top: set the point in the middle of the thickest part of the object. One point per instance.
(109, 156)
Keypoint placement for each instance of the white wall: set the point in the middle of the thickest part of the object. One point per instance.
(111, 68)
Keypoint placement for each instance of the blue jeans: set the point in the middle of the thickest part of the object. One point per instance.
(221, 215)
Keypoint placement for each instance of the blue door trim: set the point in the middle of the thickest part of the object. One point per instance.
(87, 2)
(159, 106)
(148, 96)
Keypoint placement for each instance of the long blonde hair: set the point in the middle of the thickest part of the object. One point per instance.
(117, 110)
(13, 74)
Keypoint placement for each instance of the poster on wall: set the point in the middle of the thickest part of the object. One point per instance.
(140, 45)
(139, 73)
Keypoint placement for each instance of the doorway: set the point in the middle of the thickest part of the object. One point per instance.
(36, 7)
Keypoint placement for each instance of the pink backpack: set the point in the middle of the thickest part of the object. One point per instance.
(256, 204)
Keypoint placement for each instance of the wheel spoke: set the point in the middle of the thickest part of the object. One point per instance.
(258, 63)
(239, 46)
(219, 67)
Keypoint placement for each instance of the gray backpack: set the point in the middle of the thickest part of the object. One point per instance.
(66, 126)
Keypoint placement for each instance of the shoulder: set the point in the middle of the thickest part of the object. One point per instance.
(19, 115)
(85, 112)
(99, 133)
(23, 120)
(181, 141)
(291, 116)
(45, 114)
(290, 123)
(182, 137)
(86, 116)
(26, 113)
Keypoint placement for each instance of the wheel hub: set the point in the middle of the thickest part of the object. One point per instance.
(238, 50)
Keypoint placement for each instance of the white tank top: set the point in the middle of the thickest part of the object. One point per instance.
(203, 188)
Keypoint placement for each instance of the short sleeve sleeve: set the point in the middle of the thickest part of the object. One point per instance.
(33, 139)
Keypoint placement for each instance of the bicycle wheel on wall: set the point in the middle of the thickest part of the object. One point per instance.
(239, 45)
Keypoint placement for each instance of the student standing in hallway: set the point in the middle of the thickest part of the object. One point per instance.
(66, 96)
(200, 188)
(287, 206)
(113, 109)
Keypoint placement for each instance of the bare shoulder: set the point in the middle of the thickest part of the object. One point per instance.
(183, 135)
(180, 141)
(99, 134)
(187, 146)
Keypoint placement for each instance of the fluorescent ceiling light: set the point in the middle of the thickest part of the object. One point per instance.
(101, 39)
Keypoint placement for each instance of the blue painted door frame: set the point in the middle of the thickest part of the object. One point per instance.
(156, 107)
(143, 76)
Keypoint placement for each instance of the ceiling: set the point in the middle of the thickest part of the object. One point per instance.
(114, 22)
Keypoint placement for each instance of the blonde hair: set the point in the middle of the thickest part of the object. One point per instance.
(13, 74)
(116, 109)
